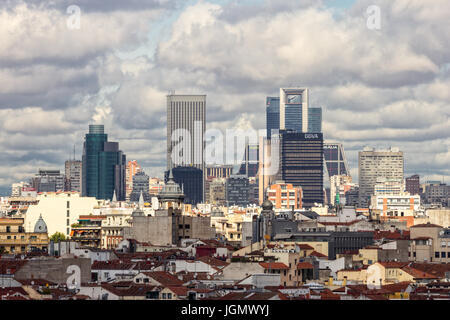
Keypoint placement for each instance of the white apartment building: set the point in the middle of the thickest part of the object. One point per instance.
(59, 210)
(373, 165)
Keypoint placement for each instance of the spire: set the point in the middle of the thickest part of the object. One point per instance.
(170, 175)
(114, 199)
(141, 200)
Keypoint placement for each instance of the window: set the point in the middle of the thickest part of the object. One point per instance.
(68, 204)
(436, 254)
(443, 254)
(68, 213)
(169, 296)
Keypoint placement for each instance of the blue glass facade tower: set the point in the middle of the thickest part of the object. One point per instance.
(103, 166)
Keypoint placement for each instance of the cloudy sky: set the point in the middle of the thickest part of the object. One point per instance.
(378, 87)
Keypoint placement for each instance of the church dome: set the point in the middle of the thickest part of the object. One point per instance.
(40, 226)
(267, 205)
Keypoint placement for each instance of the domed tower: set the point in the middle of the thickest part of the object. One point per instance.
(171, 195)
(40, 226)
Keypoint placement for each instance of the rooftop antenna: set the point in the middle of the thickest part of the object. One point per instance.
(74, 152)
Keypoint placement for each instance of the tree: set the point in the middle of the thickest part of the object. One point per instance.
(57, 237)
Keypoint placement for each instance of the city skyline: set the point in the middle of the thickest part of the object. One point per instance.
(398, 97)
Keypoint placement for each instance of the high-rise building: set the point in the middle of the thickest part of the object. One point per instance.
(185, 113)
(301, 164)
(272, 115)
(372, 165)
(186, 116)
(294, 109)
(132, 168)
(336, 162)
(315, 120)
(103, 166)
(412, 184)
(250, 163)
(237, 190)
(141, 184)
(48, 181)
(190, 180)
(73, 171)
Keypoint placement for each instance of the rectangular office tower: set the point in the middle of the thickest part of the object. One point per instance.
(104, 166)
(372, 165)
(294, 109)
(186, 116)
(291, 111)
(185, 130)
(301, 164)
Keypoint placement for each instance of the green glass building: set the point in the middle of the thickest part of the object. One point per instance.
(103, 166)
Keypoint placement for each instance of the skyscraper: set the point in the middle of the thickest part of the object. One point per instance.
(48, 181)
(185, 132)
(272, 115)
(315, 120)
(301, 164)
(372, 165)
(335, 160)
(103, 166)
(73, 171)
(294, 109)
(250, 163)
(291, 111)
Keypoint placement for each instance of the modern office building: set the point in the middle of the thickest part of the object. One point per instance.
(412, 184)
(219, 171)
(73, 171)
(186, 116)
(315, 120)
(373, 165)
(190, 180)
(237, 190)
(272, 115)
(291, 111)
(141, 184)
(301, 164)
(103, 166)
(250, 163)
(336, 162)
(48, 181)
(294, 109)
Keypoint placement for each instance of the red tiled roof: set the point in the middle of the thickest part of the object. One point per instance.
(164, 278)
(417, 274)
(393, 264)
(112, 265)
(11, 266)
(274, 265)
(318, 254)
(304, 265)
(213, 261)
(179, 291)
(397, 235)
(425, 225)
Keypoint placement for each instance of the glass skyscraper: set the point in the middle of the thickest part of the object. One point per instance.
(291, 111)
(272, 115)
(315, 120)
(301, 164)
(104, 166)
